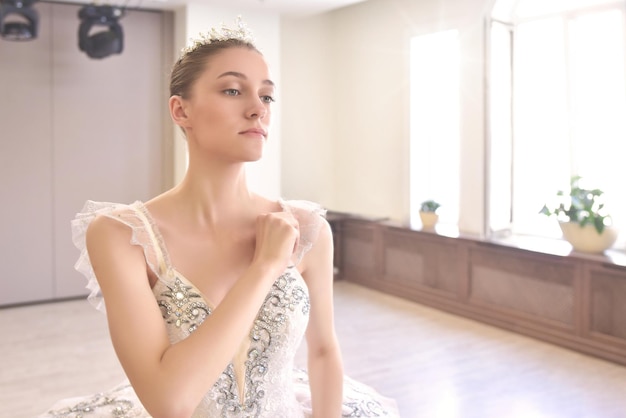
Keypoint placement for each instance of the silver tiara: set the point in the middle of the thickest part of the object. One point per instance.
(240, 32)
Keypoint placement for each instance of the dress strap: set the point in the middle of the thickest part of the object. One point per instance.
(155, 238)
(144, 234)
(311, 217)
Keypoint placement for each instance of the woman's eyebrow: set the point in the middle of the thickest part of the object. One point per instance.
(243, 77)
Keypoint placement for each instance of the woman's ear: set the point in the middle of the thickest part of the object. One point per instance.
(177, 111)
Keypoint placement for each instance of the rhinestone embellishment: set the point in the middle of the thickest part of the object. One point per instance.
(183, 307)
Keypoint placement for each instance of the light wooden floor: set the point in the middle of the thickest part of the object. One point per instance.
(434, 364)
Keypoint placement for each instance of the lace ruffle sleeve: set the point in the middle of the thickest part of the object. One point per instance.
(129, 215)
(311, 217)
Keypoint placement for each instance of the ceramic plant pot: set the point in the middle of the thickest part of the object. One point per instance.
(429, 219)
(586, 239)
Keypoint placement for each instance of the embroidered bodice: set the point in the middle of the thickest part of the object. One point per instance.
(257, 383)
(260, 381)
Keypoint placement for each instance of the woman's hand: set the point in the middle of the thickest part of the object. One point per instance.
(277, 235)
(171, 379)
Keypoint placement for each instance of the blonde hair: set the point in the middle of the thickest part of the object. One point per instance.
(190, 65)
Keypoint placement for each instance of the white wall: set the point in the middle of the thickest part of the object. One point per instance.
(264, 175)
(366, 49)
(71, 129)
(308, 96)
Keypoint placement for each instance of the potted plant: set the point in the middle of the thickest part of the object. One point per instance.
(428, 213)
(583, 218)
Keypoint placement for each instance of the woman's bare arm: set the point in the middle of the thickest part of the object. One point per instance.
(170, 380)
(324, 355)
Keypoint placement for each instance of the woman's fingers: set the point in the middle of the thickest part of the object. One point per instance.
(277, 237)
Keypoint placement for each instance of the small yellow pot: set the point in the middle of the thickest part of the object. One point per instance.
(429, 219)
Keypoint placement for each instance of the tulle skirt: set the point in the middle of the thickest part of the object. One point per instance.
(359, 400)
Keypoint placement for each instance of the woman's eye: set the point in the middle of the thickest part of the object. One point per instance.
(232, 92)
(267, 99)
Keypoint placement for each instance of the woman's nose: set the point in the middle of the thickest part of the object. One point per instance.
(257, 110)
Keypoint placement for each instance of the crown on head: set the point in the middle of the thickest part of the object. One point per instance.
(239, 32)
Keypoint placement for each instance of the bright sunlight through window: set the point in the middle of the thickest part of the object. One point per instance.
(564, 78)
(435, 137)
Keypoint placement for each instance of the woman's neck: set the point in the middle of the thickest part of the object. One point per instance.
(213, 194)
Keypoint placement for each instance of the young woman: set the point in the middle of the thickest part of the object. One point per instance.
(209, 288)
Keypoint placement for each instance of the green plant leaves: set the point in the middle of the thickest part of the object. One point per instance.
(581, 205)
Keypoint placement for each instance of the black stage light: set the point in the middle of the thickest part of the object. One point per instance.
(109, 40)
(27, 23)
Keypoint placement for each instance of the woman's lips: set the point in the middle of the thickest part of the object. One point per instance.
(254, 131)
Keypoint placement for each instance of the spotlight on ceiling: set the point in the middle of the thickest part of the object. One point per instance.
(18, 21)
(107, 37)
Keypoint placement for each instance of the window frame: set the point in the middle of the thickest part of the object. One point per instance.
(508, 230)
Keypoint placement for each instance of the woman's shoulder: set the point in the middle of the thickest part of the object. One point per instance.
(314, 229)
(310, 215)
(93, 209)
(103, 216)
(108, 224)
(303, 207)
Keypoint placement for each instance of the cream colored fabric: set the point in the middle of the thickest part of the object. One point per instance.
(261, 381)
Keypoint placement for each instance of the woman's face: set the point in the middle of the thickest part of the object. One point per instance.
(229, 108)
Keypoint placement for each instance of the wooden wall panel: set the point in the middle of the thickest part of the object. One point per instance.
(608, 303)
(358, 249)
(522, 294)
(418, 260)
(541, 289)
(574, 300)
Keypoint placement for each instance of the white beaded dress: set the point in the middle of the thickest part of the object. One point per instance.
(265, 384)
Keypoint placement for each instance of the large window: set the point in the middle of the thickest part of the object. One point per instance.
(435, 136)
(557, 107)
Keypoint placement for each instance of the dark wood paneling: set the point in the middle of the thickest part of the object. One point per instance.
(573, 300)
(358, 251)
(535, 288)
(417, 260)
(608, 302)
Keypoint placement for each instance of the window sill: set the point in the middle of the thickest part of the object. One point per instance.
(549, 246)
(560, 247)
